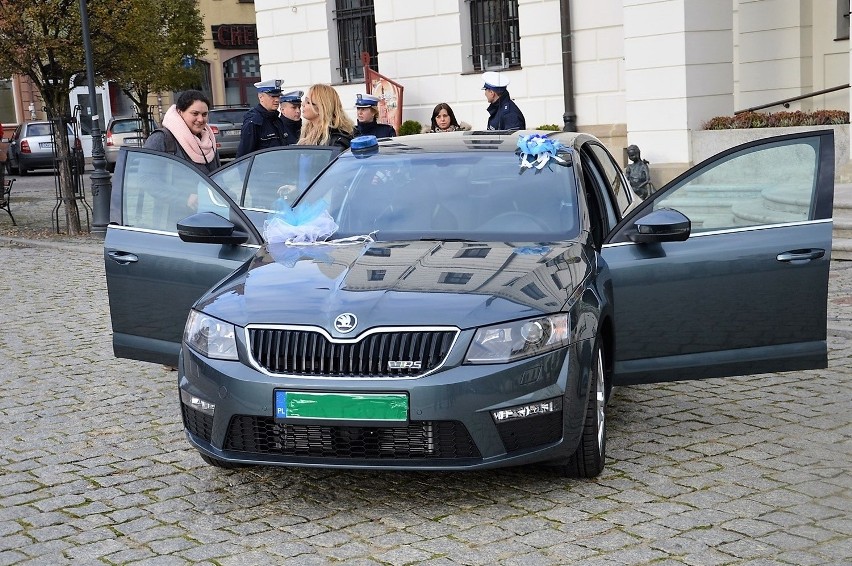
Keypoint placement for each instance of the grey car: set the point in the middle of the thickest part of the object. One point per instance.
(479, 295)
(226, 124)
(31, 147)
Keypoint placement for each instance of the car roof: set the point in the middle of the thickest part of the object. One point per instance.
(462, 141)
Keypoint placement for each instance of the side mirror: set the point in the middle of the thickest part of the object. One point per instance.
(663, 225)
(210, 228)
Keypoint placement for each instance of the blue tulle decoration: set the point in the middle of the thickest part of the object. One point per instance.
(536, 151)
(306, 223)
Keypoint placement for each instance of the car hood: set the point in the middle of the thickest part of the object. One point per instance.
(464, 284)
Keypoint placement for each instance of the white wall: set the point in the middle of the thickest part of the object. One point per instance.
(660, 67)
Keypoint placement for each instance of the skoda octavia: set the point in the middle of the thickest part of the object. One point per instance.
(458, 301)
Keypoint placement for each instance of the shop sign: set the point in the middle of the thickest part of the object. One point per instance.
(234, 36)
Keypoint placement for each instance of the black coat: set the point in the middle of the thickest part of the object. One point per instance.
(262, 128)
(293, 128)
(504, 114)
(374, 129)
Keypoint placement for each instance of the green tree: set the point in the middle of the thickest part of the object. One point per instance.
(43, 40)
(153, 48)
(138, 43)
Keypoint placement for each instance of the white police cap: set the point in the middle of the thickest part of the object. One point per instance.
(294, 96)
(495, 80)
(366, 100)
(271, 87)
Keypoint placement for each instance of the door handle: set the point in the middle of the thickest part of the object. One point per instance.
(122, 258)
(800, 255)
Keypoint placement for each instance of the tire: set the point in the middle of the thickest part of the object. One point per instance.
(110, 167)
(22, 171)
(217, 463)
(11, 170)
(589, 457)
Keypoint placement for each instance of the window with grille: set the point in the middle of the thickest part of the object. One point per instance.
(356, 35)
(495, 35)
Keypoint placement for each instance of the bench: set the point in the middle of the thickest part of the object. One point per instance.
(6, 197)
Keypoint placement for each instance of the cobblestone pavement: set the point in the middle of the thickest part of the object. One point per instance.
(94, 467)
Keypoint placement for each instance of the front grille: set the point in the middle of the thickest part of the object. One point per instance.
(418, 440)
(310, 353)
(198, 423)
(522, 434)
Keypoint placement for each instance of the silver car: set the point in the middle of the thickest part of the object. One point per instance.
(123, 132)
(31, 147)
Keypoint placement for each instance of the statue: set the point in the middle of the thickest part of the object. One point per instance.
(638, 174)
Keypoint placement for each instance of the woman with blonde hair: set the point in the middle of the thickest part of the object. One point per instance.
(326, 123)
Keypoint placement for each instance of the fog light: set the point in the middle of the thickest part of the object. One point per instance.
(526, 411)
(197, 403)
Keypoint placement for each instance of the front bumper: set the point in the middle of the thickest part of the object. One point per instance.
(450, 424)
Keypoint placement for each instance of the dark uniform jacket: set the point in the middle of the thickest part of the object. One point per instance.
(293, 129)
(374, 129)
(262, 128)
(504, 114)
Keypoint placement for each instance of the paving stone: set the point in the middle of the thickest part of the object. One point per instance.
(745, 471)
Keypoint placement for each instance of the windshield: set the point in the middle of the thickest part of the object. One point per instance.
(477, 196)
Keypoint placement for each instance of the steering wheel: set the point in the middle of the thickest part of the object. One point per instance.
(515, 219)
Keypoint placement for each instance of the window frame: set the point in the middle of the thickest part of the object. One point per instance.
(494, 29)
(347, 14)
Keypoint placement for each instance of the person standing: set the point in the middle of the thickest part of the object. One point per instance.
(444, 120)
(290, 108)
(262, 125)
(326, 123)
(503, 113)
(367, 108)
(185, 132)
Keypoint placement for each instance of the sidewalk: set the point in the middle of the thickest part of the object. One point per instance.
(34, 199)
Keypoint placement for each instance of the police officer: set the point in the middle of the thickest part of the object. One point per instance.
(262, 126)
(290, 108)
(503, 113)
(367, 107)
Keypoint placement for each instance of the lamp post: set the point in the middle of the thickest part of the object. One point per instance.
(101, 183)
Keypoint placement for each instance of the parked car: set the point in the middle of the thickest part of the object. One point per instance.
(479, 297)
(31, 147)
(123, 131)
(226, 124)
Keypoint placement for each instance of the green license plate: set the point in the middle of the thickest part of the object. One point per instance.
(357, 407)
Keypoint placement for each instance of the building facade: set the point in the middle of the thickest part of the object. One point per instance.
(646, 72)
(229, 68)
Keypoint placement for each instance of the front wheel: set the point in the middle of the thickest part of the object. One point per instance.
(588, 459)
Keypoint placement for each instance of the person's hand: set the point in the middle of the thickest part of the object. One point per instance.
(192, 202)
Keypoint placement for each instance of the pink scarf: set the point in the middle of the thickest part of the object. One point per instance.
(200, 150)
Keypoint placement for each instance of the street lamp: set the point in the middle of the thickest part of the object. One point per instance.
(101, 183)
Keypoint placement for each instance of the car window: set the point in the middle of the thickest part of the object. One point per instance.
(219, 116)
(128, 126)
(159, 190)
(469, 195)
(38, 130)
(614, 178)
(764, 185)
(272, 175)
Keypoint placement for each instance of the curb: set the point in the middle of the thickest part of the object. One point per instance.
(85, 247)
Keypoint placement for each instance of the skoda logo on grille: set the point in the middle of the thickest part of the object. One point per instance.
(345, 322)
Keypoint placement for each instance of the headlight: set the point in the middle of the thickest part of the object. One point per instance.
(210, 336)
(516, 340)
